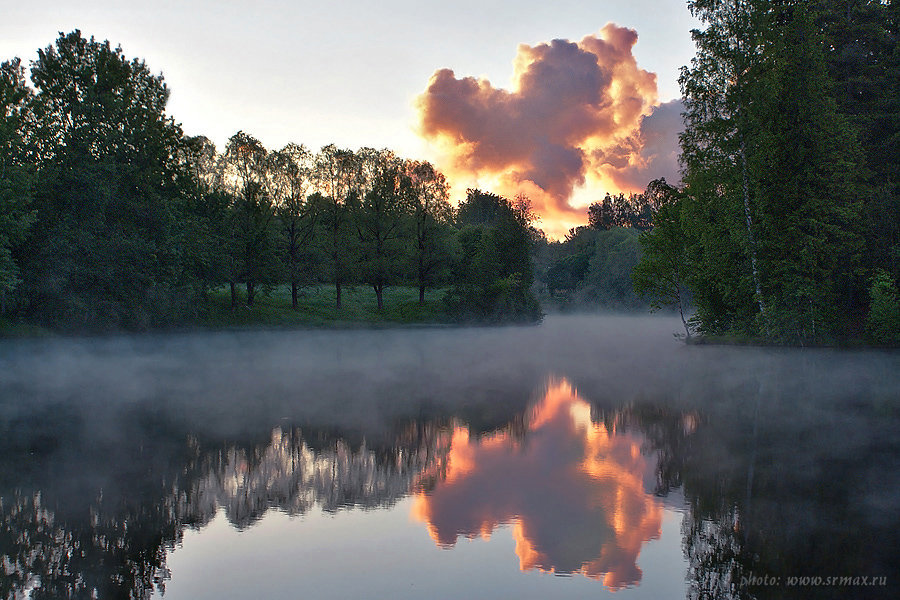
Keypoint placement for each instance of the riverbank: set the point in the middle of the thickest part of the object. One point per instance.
(272, 308)
(734, 340)
(316, 307)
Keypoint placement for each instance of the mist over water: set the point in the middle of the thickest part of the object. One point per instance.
(782, 462)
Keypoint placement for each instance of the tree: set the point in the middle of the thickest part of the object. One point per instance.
(492, 276)
(292, 168)
(807, 161)
(883, 322)
(246, 177)
(661, 274)
(204, 214)
(770, 172)
(864, 66)
(336, 176)
(102, 253)
(380, 221)
(16, 176)
(717, 89)
(636, 211)
(432, 216)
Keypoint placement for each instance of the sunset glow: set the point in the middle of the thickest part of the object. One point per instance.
(580, 119)
(572, 490)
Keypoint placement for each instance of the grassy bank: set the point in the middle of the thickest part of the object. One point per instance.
(272, 308)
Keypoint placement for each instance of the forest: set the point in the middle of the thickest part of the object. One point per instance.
(112, 218)
(784, 228)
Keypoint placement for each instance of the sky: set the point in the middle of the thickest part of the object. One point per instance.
(395, 73)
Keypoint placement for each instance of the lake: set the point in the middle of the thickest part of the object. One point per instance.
(588, 457)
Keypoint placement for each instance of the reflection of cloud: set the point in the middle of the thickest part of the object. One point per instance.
(573, 115)
(572, 489)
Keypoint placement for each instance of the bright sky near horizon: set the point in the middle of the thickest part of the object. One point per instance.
(347, 73)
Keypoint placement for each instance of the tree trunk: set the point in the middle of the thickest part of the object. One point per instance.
(233, 295)
(421, 293)
(337, 292)
(294, 295)
(379, 296)
(687, 330)
(752, 239)
(251, 293)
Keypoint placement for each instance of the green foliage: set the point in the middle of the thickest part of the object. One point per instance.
(492, 274)
(635, 212)
(607, 282)
(16, 175)
(103, 250)
(883, 323)
(662, 273)
(771, 175)
(381, 223)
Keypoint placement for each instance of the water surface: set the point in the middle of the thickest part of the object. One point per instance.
(586, 457)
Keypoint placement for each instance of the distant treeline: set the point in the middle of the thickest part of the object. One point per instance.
(591, 268)
(787, 228)
(110, 217)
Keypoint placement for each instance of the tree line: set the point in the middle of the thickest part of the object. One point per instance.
(591, 268)
(111, 217)
(787, 227)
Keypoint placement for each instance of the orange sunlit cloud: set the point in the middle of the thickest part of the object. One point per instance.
(573, 491)
(578, 115)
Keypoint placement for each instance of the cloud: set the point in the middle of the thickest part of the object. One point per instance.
(577, 113)
(574, 491)
(650, 153)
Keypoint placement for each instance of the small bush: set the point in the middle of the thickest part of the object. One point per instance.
(883, 324)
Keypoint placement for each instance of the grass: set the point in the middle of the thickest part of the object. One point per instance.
(16, 329)
(316, 308)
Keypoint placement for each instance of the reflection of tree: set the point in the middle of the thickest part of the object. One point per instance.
(713, 549)
(289, 475)
(114, 544)
(100, 558)
(790, 473)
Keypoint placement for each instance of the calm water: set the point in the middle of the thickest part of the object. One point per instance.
(584, 458)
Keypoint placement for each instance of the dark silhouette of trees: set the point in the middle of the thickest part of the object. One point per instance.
(102, 250)
(492, 275)
(337, 172)
(246, 177)
(381, 222)
(432, 217)
(16, 174)
(293, 172)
